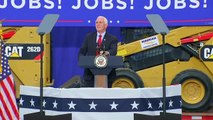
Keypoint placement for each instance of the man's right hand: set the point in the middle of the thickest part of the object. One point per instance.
(106, 53)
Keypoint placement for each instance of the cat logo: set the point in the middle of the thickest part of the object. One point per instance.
(206, 53)
(14, 51)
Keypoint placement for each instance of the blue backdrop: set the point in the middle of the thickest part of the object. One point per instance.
(66, 42)
(124, 13)
(77, 17)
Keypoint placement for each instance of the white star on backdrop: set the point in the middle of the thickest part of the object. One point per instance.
(160, 105)
(55, 104)
(149, 105)
(134, 105)
(92, 105)
(32, 102)
(113, 106)
(44, 103)
(21, 101)
(72, 105)
(170, 103)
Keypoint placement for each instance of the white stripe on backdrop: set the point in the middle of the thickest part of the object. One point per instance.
(104, 103)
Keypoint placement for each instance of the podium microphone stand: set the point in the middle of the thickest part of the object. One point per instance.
(45, 27)
(160, 27)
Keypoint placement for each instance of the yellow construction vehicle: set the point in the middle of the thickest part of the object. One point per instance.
(188, 61)
(23, 49)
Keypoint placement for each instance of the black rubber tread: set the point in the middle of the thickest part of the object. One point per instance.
(207, 83)
(131, 75)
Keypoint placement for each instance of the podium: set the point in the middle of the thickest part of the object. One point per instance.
(100, 73)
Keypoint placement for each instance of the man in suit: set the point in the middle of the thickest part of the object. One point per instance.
(91, 43)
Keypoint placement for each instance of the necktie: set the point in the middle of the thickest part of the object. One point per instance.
(99, 40)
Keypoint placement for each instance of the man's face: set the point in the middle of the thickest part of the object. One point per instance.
(100, 25)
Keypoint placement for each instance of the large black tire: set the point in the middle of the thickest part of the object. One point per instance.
(127, 78)
(196, 90)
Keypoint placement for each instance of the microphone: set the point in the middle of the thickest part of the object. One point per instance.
(100, 49)
(105, 53)
(97, 49)
(103, 45)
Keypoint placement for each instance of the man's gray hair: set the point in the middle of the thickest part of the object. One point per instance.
(105, 19)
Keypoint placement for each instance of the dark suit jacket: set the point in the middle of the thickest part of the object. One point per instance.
(89, 46)
(89, 49)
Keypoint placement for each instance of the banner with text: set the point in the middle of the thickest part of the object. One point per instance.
(121, 13)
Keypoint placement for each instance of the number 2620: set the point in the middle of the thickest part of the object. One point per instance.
(33, 49)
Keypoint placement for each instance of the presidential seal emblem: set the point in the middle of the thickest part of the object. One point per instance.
(100, 61)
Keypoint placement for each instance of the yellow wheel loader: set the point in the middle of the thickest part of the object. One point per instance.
(23, 49)
(188, 61)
